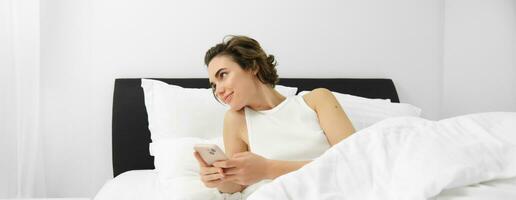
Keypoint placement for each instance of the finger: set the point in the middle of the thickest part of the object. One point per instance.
(231, 171)
(215, 183)
(210, 170)
(221, 171)
(212, 177)
(199, 159)
(225, 164)
(231, 178)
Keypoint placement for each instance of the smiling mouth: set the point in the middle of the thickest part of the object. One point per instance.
(228, 98)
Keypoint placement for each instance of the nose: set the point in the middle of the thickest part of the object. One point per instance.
(219, 91)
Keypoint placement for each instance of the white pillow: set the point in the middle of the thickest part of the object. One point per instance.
(175, 112)
(286, 90)
(364, 112)
(174, 157)
(178, 171)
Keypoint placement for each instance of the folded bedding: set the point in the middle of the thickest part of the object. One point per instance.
(469, 157)
(406, 158)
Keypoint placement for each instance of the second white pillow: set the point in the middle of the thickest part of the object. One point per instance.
(364, 112)
(176, 112)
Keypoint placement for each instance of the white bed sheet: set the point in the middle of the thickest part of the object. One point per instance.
(498, 189)
(142, 184)
(131, 185)
(406, 158)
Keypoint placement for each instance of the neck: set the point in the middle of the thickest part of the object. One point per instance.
(266, 98)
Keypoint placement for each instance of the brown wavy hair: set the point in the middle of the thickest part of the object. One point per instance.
(247, 53)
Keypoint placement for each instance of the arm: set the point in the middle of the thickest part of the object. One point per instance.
(246, 168)
(234, 124)
(279, 167)
(332, 118)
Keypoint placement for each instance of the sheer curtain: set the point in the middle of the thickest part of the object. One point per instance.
(21, 158)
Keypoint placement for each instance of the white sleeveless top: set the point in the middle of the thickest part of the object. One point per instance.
(289, 131)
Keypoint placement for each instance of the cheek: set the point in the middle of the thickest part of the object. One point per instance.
(242, 86)
(239, 100)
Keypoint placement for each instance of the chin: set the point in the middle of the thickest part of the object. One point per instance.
(236, 107)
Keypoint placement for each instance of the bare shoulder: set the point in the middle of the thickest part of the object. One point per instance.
(235, 125)
(234, 117)
(318, 96)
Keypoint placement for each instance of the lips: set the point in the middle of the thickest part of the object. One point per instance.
(228, 98)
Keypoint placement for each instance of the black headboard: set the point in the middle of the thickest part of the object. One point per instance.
(131, 136)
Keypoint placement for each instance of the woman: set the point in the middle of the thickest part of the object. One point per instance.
(266, 134)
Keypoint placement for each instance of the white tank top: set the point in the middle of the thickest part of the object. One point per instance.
(289, 131)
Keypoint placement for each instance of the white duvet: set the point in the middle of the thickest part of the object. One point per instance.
(406, 158)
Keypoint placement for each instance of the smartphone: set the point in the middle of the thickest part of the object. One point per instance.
(210, 153)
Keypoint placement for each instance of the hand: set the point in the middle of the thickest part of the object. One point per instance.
(244, 168)
(210, 176)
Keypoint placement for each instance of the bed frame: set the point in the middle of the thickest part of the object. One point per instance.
(131, 136)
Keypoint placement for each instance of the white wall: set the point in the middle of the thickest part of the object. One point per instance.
(85, 45)
(479, 56)
(75, 121)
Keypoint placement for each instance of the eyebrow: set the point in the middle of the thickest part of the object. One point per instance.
(216, 75)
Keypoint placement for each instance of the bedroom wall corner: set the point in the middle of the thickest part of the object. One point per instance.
(479, 57)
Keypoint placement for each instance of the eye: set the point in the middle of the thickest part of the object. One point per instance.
(223, 74)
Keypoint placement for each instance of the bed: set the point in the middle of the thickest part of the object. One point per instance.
(134, 177)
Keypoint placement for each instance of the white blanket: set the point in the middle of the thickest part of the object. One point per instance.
(406, 158)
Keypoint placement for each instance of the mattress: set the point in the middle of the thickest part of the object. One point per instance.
(143, 184)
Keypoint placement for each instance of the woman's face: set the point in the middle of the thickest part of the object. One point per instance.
(232, 85)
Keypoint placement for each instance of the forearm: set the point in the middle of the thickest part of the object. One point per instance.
(279, 167)
(230, 187)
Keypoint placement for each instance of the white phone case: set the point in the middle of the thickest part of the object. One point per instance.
(210, 153)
